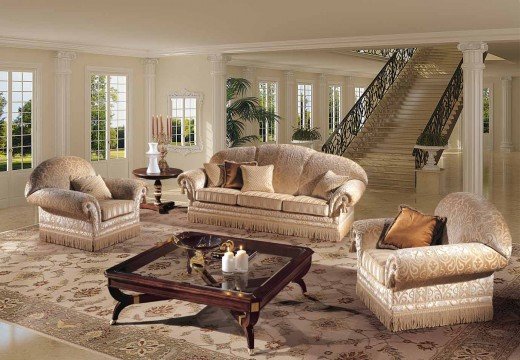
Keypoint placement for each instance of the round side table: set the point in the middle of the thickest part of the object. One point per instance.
(161, 207)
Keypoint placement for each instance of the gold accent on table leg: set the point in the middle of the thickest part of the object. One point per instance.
(255, 307)
(240, 319)
(136, 299)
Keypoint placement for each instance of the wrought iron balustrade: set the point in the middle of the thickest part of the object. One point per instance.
(346, 131)
(385, 53)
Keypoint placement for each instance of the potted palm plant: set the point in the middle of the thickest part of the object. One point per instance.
(241, 109)
(306, 136)
(431, 143)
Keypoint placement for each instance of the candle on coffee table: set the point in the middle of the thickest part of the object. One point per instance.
(228, 262)
(241, 261)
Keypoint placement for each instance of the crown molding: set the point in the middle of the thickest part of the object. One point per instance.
(354, 42)
(298, 68)
(69, 47)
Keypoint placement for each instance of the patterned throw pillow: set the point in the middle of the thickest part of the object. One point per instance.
(92, 185)
(233, 174)
(328, 183)
(215, 174)
(412, 228)
(258, 178)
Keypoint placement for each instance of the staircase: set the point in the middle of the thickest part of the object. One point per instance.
(384, 142)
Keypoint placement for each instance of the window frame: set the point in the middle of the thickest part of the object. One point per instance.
(339, 107)
(109, 71)
(199, 97)
(36, 136)
(311, 84)
(276, 108)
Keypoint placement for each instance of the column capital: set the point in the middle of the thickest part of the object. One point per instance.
(506, 78)
(219, 63)
(67, 55)
(473, 46)
(249, 72)
(323, 79)
(149, 66)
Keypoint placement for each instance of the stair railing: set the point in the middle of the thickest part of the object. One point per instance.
(346, 131)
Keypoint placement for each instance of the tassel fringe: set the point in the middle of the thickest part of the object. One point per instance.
(431, 317)
(332, 233)
(89, 243)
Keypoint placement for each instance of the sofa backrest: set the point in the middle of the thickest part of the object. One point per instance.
(297, 169)
(57, 172)
(472, 218)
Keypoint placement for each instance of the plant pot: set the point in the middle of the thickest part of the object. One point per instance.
(430, 153)
(306, 143)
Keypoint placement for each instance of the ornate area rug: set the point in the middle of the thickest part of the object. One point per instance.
(62, 292)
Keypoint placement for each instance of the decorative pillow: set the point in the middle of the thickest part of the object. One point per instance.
(92, 185)
(328, 183)
(412, 228)
(233, 174)
(257, 178)
(215, 174)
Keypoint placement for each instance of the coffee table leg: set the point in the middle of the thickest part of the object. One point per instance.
(123, 300)
(299, 278)
(247, 321)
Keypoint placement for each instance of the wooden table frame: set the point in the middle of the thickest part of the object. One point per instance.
(158, 205)
(244, 307)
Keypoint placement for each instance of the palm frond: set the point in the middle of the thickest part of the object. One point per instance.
(244, 140)
(236, 87)
(244, 108)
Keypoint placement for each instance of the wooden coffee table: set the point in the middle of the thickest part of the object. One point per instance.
(271, 267)
(161, 207)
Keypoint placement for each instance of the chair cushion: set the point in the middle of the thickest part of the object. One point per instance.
(215, 174)
(114, 208)
(217, 195)
(257, 178)
(306, 205)
(262, 200)
(92, 185)
(327, 184)
(374, 261)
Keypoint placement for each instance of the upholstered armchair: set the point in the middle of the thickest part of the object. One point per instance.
(77, 219)
(438, 285)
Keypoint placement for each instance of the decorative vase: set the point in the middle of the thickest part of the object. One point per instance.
(431, 151)
(153, 155)
(163, 150)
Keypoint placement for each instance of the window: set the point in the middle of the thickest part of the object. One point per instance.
(485, 111)
(268, 96)
(108, 116)
(16, 120)
(185, 111)
(334, 107)
(304, 105)
(358, 91)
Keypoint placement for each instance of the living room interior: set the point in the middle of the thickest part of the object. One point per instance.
(220, 180)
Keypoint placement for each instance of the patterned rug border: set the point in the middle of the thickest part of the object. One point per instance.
(95, 334)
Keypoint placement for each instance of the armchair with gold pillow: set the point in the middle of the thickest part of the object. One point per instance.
(435, 285)
(82, 210)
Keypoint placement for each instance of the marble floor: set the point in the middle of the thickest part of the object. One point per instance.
(501, 186)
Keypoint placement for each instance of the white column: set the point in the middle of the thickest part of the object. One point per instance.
(219, 75)
(507, 144)
(472, 127)
(290, 101)
(349, 95)
(63, 60)
(323, 108)
(150, 65)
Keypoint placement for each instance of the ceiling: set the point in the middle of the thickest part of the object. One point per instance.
(173, 26)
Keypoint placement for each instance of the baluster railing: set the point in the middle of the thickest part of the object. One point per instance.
(340, 139)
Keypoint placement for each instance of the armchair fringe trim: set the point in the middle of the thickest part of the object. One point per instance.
(435, 316)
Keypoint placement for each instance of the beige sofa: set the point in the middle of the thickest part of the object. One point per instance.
(291, 210)
(439, 285)
(79, 220)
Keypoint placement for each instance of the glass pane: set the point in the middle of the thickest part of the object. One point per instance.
(3, 159)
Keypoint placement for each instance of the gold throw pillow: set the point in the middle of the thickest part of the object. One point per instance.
(215, 174)
(412, 228)
(233, 174)
(258, 178)
(328, 183)
(92, 185)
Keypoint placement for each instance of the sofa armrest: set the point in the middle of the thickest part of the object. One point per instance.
(190, 181)
(126, 189)
(366, 233)
(68, 203)
(432, 265)
(346, 195)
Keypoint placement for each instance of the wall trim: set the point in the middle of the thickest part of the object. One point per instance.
(353, 42)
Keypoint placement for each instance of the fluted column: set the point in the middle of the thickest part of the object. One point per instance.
(507, 144)
(323, 108)
(349, 97)
(63, 72)
(290, 101)
(219, 75)
(150, 65)
(472, 127)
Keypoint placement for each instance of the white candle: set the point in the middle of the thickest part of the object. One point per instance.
(228, 262)
(241, 261)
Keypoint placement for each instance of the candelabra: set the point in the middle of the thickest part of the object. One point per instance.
(163, 140)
